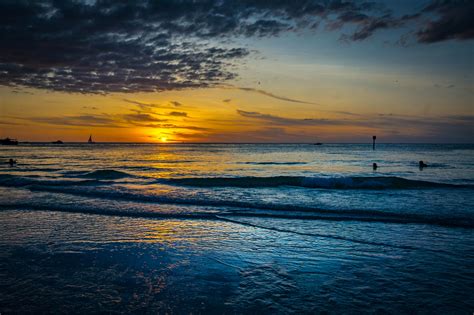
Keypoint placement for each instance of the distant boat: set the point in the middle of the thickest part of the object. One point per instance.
(57, 142)
(90, 139)
(318, 143)
(8, 141)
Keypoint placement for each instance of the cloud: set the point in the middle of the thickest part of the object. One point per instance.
(4, 122)
(98, 120)
(463, 118)
(277, 120)
(150, 107)
(443, 127)
(103, 47)
(115, 121)
(189, 137)
(145, 107)
(141, 117)
(178, 114)
(438, 21)
(281, 98)
(137, 117)
(20, 91)
(454, 21)
(446, 86)
(368, 26)
(171, 126)
(140, 104)
(261, 135)
(176, 103)
(86, 120)
(227, 100)
(85, 46)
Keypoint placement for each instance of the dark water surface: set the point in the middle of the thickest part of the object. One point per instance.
(237, 228)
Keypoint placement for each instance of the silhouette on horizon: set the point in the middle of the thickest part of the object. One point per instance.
(373, 142)
(90, 139)
(374, 166)
(8, 141)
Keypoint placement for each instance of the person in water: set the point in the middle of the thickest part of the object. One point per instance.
(422, 165)
(12, 162)
(374, 166)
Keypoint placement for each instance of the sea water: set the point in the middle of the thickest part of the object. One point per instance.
(231, 228)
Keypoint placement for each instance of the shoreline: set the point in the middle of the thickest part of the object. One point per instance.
(89, 262)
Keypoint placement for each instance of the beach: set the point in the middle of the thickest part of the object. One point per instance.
(220, 228)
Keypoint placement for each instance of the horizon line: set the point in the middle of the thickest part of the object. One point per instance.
(184, 142)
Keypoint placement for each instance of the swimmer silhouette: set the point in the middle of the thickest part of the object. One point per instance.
(422, 165)
(12, 162)
(374, 166)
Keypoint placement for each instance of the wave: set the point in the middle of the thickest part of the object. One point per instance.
(391, 182)
(32, 180)
(371, 182)
(193, 216)
(349, 216)
(440, 165)
(256, 209)
(144, 168)
(100, 174)
(18, 168)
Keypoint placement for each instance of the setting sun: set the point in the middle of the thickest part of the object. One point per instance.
(163, 139)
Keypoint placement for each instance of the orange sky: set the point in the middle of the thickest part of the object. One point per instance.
(252, 81)
(226, 114)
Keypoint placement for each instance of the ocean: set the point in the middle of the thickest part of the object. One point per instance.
(237, 228)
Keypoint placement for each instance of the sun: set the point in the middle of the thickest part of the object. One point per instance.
(164, 139)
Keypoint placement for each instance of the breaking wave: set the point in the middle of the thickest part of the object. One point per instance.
(375, 182)
(8, 180)
(310, 182)
(105, 174)
(239, 208)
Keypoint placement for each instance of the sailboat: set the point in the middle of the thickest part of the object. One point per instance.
(90, 140)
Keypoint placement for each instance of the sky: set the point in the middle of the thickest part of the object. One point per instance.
(237, 71)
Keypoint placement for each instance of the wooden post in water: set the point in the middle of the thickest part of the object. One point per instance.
(373, 142)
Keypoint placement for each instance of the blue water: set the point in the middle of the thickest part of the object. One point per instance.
(237, 228)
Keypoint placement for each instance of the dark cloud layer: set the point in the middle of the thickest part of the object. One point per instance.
(430, 127)
(455, 21)
(283, 121)
(140, 115)
(103, 46)
(178, 114)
